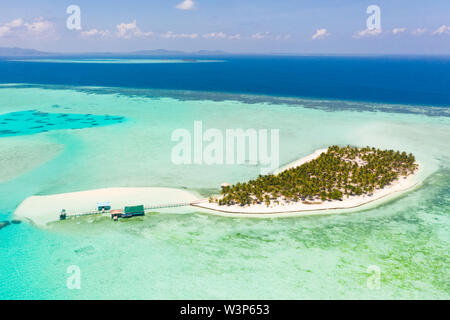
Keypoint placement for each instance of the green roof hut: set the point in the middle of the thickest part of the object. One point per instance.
(133, 211)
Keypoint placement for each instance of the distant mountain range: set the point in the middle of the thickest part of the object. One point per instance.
(19, 52)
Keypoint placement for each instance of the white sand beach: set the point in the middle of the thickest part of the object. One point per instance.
(44, 209)
(394, 189)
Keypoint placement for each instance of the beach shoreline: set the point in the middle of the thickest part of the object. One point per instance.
(396, 188)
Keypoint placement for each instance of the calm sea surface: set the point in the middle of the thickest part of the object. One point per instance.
(412, 80)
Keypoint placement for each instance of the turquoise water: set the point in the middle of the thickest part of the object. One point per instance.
(186, 254)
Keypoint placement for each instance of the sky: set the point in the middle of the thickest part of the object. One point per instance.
(237, 26)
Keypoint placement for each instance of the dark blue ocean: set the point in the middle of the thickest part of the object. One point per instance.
(387, 79)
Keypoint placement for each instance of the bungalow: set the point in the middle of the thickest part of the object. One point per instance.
(104, 206)
(134, 211)
(63, 215)
(116, 214)
(128, 212)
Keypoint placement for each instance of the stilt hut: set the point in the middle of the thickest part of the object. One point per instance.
(116, 214)
(104, 206)
(133, 211)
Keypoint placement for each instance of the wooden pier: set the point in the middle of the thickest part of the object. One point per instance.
(97, 212)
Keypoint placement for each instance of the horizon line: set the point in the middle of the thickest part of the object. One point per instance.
(213, 51)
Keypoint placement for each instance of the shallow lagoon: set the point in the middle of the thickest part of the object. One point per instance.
(184, 254)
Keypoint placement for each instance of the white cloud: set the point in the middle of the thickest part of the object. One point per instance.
(186, 5)
(320, 34)
(367, 32)
(442, 30)
(95, 32)
(19, 28)
(15, 23)
(269, 36)
(129, 30)
(281, 37)
(419, 31)
(214, 35)
(39, 27)
(221, 35)
(4, 30)
(260, 35)
(398, 30)
(172, 35)
(236, 36)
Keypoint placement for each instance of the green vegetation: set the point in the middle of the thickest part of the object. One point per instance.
(341, 171)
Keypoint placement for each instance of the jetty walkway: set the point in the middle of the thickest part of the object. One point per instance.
(148, 208)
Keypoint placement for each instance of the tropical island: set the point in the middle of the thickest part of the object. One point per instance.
(333, 178)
